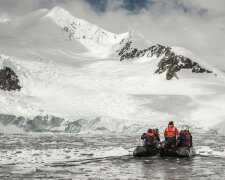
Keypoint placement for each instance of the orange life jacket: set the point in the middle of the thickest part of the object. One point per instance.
(152, 135)
(171, 131)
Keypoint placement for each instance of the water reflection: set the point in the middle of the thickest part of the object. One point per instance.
(166, 168)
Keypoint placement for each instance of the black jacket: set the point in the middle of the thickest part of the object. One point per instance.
(150, 139)
(183, 140)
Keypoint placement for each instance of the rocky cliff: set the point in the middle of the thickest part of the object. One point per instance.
(169, 62)
(9, 80)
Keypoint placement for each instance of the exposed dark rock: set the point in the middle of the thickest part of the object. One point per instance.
(69, 32)
(170, 62)
(9, 80)
(129, 53)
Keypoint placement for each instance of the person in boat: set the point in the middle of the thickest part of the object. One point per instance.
(149, 139)
(189, 138)
(171, 135)
(183, 142)
(157, 137)
(157, 134)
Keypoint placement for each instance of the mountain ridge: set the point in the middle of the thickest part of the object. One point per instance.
(169, 63)
(102, 43)
(83, 82)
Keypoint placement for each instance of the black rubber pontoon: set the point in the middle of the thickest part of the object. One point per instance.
(178, 152)
(144, 151)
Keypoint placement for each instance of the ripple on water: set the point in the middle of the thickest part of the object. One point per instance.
(60, 156)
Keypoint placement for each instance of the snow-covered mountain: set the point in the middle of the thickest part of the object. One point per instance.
(75, 76)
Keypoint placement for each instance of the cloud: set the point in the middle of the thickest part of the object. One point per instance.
(198, 25)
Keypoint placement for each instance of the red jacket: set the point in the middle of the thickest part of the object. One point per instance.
(188, 138)
(171, 131)
(152, 135)
(149, 138)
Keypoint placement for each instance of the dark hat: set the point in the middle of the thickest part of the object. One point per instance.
(149, 130)
(171, 123)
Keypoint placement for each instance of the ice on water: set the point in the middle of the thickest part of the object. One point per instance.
(74, 156)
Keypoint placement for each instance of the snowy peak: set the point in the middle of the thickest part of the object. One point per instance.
(59, 25)
(136, 40)
(59, 15)
(80, 29)
(128, 45)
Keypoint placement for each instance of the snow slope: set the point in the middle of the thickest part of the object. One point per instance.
(68, 69)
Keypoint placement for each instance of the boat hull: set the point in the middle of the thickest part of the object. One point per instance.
(178, 152)
(143, 151)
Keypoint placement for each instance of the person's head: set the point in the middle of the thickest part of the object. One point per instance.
(149, 130)
(157, 130)
(171, 123)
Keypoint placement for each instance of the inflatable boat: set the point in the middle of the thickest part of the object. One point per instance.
(185, 152)
(144, 151)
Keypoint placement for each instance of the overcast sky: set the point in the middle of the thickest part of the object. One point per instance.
(198, 25)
